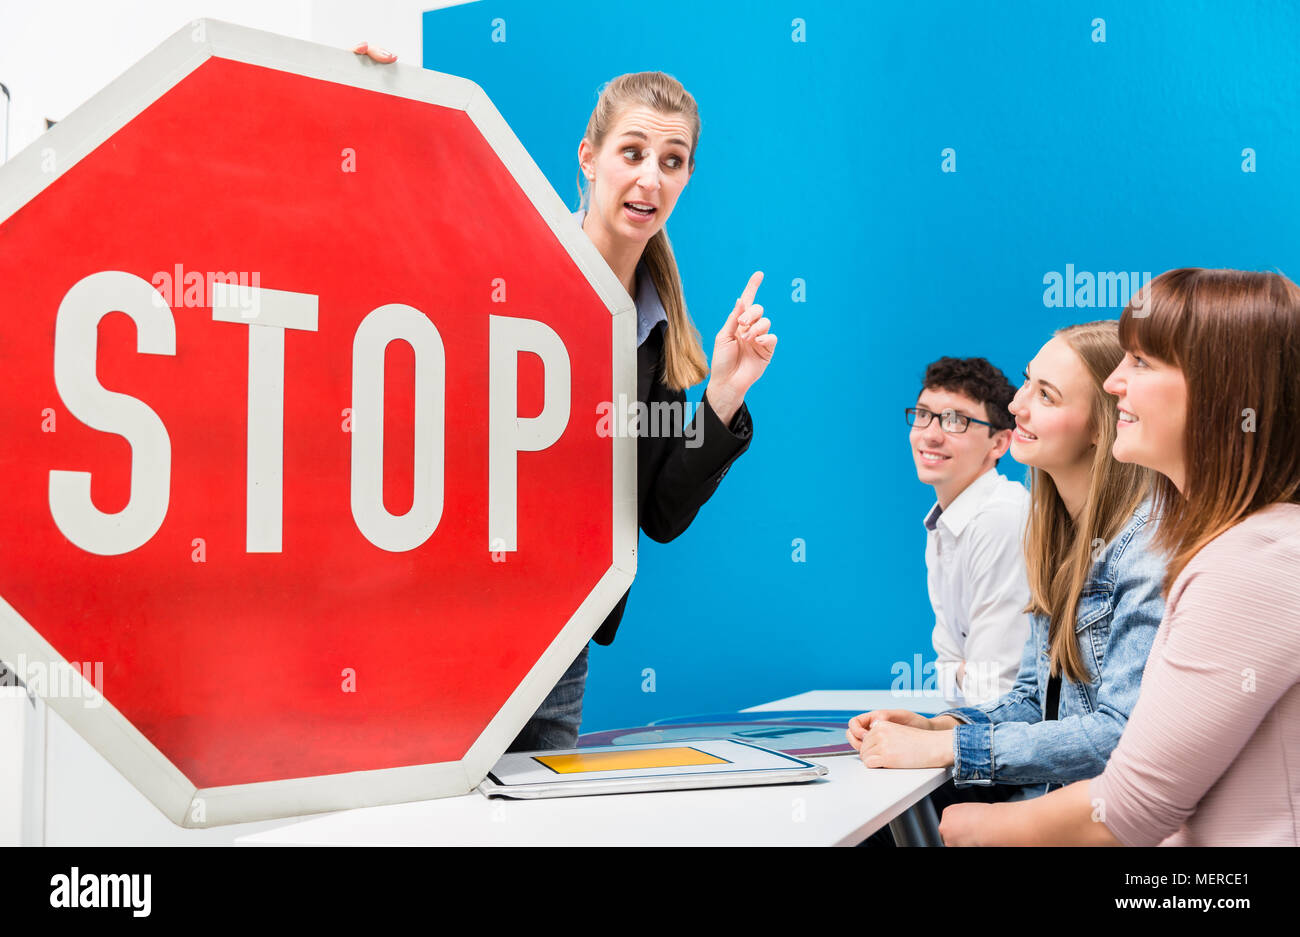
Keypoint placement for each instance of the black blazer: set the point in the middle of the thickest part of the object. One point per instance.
(673, 480)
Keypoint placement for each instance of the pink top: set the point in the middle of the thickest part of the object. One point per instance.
(1211, 753)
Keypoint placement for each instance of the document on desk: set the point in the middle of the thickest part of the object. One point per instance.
(622, 769)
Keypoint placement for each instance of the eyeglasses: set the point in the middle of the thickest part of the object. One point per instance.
(950, 421)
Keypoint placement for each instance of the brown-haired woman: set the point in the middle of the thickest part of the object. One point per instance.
(636, 156)
(1209, 397)
(1095, 600)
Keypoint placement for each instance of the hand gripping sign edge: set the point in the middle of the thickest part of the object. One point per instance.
(104, 726)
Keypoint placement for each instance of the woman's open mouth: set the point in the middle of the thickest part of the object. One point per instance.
(639, 211)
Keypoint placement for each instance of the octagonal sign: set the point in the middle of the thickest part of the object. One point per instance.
(306, 502)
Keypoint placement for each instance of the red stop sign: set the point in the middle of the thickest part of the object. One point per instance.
(302, 361)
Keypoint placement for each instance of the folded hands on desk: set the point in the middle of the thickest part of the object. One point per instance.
(899, 738)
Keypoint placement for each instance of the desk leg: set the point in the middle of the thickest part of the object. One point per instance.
(917, 826)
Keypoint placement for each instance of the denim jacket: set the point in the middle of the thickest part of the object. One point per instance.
(1008, 741)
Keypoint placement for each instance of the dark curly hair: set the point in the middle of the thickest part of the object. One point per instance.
(978, 380)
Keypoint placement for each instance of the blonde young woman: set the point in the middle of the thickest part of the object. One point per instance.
(1209, 397)
(636, 157)
(1095, 599)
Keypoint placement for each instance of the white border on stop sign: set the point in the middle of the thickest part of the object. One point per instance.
(104, 727)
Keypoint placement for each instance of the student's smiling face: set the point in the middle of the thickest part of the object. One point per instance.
(1053, 410)
(951, 461)
(639, 172)
(1152, 414)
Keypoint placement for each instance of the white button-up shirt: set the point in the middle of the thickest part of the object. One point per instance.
(976, 576)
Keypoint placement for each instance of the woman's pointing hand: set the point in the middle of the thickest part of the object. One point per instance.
(741, 352)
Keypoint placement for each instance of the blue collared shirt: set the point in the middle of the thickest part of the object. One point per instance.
(649, 309)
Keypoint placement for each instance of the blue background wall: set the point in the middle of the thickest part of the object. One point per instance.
(821, 160)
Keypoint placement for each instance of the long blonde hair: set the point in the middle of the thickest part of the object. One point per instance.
(1059, 553)
(684, 362)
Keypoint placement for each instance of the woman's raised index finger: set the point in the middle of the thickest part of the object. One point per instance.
(751, 288)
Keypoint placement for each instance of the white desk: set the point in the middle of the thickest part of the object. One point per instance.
(842, 809)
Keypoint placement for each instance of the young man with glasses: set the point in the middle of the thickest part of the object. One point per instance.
(973, 556)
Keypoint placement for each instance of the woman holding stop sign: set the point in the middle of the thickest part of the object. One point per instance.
(636, 156)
